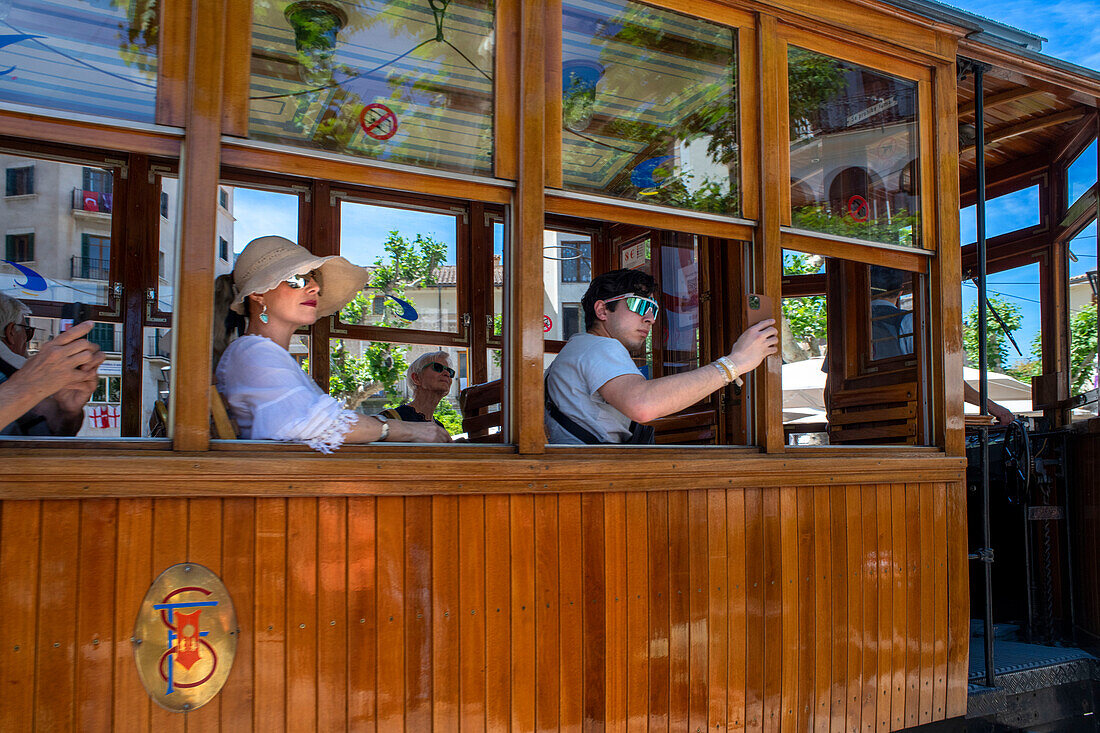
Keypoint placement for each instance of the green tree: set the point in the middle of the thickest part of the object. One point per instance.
(1082, 350)
(407, 264)
(804, 322)
(996, 338)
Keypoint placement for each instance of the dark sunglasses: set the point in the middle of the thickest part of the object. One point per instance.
(436, 366)
(300, 281)
(29, 330)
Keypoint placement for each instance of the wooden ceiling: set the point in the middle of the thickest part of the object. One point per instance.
(1021, 122)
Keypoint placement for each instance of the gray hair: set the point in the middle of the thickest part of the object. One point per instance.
(421, 363)
(11, 311)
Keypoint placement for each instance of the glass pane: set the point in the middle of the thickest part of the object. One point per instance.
(854, 158)
(57, 233)
(413, 262)
(94, 58)
(499, 273)
(649, 106)
(156, 375)
(1081, 174)
(1082, 318)
(566, 272)
(395, 81)
(680, 303)
(371, 376)
(1003, 214)
(891, 312)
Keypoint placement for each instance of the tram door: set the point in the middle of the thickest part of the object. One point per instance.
(698, 280)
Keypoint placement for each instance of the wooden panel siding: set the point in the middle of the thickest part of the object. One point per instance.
(717, 608)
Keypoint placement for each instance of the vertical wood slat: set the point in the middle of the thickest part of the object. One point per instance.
(498, 630)
(95, 608)
(204, 546)
(301, 614)
(270, 635)
(594, 636)
(789, 603)
(363, 618)
(522, 517)
(571, 619)
(717, 611)
(446, 614)
(958, 647)
(898, 567)
(772, 661)
(883, 553)
(940, 620)
(854, 538)
(738, 626)
(754, 609)
(679, 589)
(54, 681)
(838, 598)
(822, 614)
(913, 592)
(238, 573)
(169, 547)
(658, 532)
(805, 622)
(131, 707)
(869, 589)
(471, 590)
(418, 612)
(548, 648)
(615, 603)
(927, 603)
(332, 619)
(637, 619)
(390, 576)
(697, 590)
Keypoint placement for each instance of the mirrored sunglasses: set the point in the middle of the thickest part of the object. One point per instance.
(300, 281)
(644, 307)
(436, 366)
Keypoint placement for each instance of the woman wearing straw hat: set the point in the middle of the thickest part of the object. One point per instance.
(280, 287)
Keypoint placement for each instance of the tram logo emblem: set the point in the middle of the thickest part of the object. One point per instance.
(185, 637)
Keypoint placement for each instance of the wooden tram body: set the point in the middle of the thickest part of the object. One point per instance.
(523, 586)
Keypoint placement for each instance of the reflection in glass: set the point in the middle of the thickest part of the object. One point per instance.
(1003, 214)
(854, 156)
(155, 380)
(1081, 174)
(649, 106)
(680, 303)
(405, 82)
(891, 312)
(412, 260)
(95, 58)
(566, 271)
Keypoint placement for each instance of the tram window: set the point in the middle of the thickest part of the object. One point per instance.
(853, 150)
(1083, 284)
(121, 39)
(1081, 174)
(852, 338)
(566, 271)
(1010, 212)
(649, 106)
(409, 83)
(156, 375)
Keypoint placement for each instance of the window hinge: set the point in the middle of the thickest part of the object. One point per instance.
(462, 210)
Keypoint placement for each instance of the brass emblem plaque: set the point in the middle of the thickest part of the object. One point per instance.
(185, 637)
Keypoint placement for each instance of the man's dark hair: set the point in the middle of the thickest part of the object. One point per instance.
(887, 280)
(610, 284)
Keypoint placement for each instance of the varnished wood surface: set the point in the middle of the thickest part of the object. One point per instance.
(816, 607)
(1085, 511)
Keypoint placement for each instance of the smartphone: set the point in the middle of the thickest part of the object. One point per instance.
(73, 314)
(757, 308)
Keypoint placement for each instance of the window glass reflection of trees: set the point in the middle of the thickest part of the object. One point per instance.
(649, 106)
(853, 150)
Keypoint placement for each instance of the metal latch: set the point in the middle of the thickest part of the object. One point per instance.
(984, 554)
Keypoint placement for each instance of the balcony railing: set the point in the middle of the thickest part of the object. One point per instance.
(94, 202)
(90, 268)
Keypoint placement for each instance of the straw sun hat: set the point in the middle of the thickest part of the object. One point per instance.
(268, 261)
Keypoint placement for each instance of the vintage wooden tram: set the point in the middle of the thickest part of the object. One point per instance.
(727, 578)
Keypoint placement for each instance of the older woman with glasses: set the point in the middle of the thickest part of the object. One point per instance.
(429, 377)
(277, 287)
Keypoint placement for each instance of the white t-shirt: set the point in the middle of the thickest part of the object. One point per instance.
(271, 398)
(573, 381)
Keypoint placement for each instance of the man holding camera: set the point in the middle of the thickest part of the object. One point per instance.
(594, 391)
(44, 394)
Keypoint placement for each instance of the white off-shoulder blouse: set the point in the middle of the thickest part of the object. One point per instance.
(271, 398)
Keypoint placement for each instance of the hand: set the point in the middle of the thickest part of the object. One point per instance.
(71, 400)
(754, 345)
(416, 432)
(1003, 415)
(68, 362)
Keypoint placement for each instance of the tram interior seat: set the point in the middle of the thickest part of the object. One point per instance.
(883, 414)
(222, 426)
(478, 416)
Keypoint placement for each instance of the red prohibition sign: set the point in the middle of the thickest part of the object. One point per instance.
(547, 324)
(383, 122)
(858, 208)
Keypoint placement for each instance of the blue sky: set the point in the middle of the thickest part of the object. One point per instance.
(1072, 30)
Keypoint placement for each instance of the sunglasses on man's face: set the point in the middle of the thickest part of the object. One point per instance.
(300, 281)
(437, 367)
(29, 330)
(644, 307)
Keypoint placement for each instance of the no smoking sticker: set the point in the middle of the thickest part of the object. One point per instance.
(858, 208)
(547, 324)
(378, 121)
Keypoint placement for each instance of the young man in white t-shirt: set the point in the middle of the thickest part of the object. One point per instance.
(595, 392)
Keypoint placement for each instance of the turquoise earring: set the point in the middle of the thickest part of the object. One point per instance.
(263, 314)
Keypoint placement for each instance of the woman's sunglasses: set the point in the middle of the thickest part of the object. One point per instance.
(300, 281)
(436, 366)
(644, 307)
